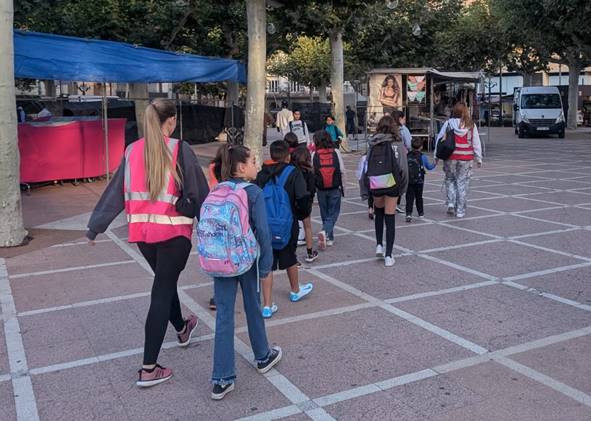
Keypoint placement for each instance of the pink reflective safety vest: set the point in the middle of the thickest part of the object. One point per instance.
(158, 220)
(464, 150)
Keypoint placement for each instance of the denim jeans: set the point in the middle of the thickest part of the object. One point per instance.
(224, 370)
(330, 207)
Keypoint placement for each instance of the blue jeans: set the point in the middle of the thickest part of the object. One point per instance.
(224, 370)
(330, 207)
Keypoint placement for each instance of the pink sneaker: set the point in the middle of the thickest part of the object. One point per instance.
(190, 324)
(157, 376)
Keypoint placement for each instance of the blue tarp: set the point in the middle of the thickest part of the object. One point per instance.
(57, 57)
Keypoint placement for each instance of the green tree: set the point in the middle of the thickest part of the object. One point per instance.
(560, 33)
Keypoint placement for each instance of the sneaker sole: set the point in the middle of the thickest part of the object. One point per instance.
(301, 296)
(310, 260)
(185, 344)
(273, 364)
(151, 383)
(219, 396)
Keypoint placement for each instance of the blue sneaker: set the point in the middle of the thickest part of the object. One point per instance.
(269, 311)
(304, 290)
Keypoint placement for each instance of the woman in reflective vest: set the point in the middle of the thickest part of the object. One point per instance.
(458, 168)
(161, 186)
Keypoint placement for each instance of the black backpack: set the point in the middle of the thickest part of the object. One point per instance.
(327, 169)
(447, 145)
(416, 170)
(383, 173)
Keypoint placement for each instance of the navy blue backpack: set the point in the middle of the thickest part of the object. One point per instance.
(279, 211)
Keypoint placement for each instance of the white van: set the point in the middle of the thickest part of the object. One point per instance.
(538, 110)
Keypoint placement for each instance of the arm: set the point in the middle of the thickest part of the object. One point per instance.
(308, 138)
(111, 203)
(477, 146)
(194, 182)
(301, 194)
(342, 168)
(403, 165)
(427, 164)
(262, 233)
(406, 138)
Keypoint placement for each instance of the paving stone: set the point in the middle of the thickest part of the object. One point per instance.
(498, 316)
(58, 289)
(562, 362)
(510, 204)
(509, 396)
(8, 410)
(331, 354)
(571, 284)
(562, 198)
(377, 406)
(324, 297)
(65, 257)
(507, 225)
(435, 236)
(505, 259)
(84, 332)
(575, 242)
(4, 365)
(558, 184)
(410, 275)
(511, 189)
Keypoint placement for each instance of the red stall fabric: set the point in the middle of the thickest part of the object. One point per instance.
(64, 151)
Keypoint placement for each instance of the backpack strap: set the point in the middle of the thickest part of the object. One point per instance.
(290, 126)
(282, 179)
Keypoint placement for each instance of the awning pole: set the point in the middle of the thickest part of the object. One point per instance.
(106, 132)
(431, 112)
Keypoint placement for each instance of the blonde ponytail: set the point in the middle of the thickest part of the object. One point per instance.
(157, 156)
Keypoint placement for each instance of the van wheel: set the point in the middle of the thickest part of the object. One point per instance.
(520, 133)
(561, 135)
(516, 132)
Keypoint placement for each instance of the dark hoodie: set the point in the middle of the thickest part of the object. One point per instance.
(295, 187)
(400, 152)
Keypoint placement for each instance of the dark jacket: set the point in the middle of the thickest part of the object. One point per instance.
(295, 187)
(112, 201)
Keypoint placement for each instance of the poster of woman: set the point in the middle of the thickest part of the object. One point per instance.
(385, 93)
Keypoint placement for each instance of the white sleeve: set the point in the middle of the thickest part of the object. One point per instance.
(341, 163)
(308, 137)
(360, 167)
(477, 144)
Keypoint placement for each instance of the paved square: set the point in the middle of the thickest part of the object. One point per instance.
(484, 318)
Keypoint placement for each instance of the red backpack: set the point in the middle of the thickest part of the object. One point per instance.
(327, 169)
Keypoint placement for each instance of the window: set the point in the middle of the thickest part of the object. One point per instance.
(540, 101)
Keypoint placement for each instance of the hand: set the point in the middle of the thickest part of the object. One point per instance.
(479, 164)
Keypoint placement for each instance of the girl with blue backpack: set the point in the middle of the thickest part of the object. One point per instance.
(235, 248)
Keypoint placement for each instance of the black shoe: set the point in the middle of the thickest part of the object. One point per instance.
(274, 358)
(212, 304)
(220, 391)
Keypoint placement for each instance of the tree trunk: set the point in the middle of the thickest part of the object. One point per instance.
(138, 93)
(574, 69)
(255, 94)
(12, 231)
(337, 80)
(528, 79)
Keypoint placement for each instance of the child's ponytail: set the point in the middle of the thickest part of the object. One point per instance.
(231, 156)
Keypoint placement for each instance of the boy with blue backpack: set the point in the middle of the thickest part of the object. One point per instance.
(286, 199)
(235, 248)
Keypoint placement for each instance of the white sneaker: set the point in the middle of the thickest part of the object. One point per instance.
(451, 211)
(301, 243)
(389, 261)
(379, 251)
(460, 215)
(322, 240)
(329, 243)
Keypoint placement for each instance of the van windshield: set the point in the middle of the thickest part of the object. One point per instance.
(540, 101)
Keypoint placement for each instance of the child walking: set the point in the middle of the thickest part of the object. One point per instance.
(286, 195)
(330, 172)
(237, 202)
(155, 173)
(302, 160)
(417, 162)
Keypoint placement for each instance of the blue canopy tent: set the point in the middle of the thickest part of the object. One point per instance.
(57, 57)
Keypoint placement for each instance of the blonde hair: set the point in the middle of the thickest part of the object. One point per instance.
(157, 156)
(462, 112)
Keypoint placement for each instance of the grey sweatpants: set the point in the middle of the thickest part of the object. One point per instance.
(457, 183)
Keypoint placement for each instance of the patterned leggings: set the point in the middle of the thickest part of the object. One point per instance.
(457, 183)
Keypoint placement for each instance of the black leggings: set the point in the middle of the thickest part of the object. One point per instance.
(167, 259)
